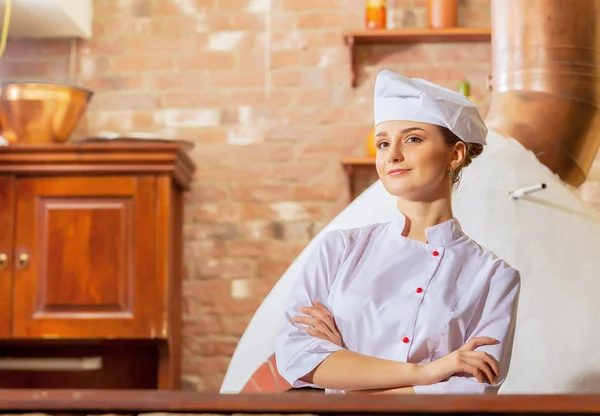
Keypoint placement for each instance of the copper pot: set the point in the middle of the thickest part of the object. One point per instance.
(442, 14)
(34, 112)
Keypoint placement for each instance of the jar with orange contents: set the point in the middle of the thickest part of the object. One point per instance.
(376, 14)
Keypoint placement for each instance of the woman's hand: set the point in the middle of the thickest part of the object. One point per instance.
(478, 364)
(320, 323)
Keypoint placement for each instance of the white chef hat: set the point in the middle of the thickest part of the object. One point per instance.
(401, 98)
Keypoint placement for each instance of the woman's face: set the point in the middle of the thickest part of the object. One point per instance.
(413, 160)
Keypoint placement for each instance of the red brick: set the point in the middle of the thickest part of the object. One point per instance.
(319, 193)
(211, 347)
(113, 82)
(205, 366)
(117, 100)
(401, 54)
(142, 63)
(310, 5)
(231, 79)
(207, 193)
(294, 77)
(164, 43)
(226, 41)
(322, 20)
(272, 269)
(451, 53)
(206, 249)
(328, 38)
(123, 121)
(209, 22)
(247, 21)
(237, 325)
(295, 40)
(254, 230)
(276, 59)
(336, 56)
(236, 6)
(239, 174)
(302, 171)
(262, 193)
(188, 81)
(258, 230)
(332, 153)
(211, 231)
(225, 268)
(191, 7)
(204, 290)
(217, 211)
(203, 325)
(282, 211)
(194, 99)
(204, 135)
(126, 28)
(309, 95)
(265, 249)
(223, 306)
(276, 97)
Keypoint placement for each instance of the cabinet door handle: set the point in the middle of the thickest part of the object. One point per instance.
(23, 261)
(3, 261)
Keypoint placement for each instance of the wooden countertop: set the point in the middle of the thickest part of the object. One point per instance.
(79, 401)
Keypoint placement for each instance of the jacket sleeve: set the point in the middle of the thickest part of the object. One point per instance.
(495, 317)
(297, 353)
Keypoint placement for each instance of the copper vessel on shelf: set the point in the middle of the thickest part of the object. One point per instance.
(546, 80)
(36, 112)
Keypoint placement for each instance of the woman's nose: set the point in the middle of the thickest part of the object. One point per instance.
(395, 155)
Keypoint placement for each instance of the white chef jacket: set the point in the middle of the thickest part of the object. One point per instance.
(400, 299)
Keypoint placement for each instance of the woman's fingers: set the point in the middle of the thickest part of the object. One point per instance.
(492, 363)
(474, 371)
(483, 366)
(321, 314)
(478, 342)
(315, 333)
(484, 356)
(315, 323)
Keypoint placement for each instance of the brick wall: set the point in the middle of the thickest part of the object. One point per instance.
(268, 141)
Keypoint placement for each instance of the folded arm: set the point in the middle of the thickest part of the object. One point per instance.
(304, 360)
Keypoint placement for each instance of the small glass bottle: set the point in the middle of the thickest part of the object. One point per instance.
(376, 14)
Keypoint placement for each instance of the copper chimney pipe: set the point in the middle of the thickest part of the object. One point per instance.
(546, 80)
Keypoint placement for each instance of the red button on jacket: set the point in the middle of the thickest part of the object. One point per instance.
(435, 253)
(405, 340)
(419, 290)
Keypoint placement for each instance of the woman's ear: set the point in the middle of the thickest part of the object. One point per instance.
(458, 155)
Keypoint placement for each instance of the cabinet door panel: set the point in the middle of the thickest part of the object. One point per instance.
(7, 223)
(90, 245)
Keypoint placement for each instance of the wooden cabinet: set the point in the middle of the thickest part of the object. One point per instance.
(90, 249)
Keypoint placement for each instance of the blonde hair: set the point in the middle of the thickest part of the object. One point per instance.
(472, 151)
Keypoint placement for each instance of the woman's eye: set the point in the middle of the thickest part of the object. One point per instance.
(414, 139)
(381, 145)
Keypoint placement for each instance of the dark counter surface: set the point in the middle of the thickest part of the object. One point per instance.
(145, 401)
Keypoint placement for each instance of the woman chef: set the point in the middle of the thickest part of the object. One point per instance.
(413, 305)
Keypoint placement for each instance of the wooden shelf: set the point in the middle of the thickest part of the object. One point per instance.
(419, 35)
(361, 174)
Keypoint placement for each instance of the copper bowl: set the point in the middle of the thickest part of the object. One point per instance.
(33, 112)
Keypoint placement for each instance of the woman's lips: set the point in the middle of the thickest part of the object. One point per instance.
(397, 172)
